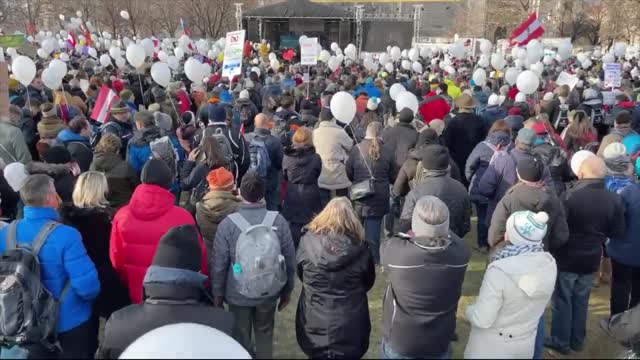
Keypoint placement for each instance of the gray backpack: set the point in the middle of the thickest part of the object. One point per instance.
(259, 267)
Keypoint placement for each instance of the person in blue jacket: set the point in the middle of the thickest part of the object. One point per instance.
(369, 88)
(63, 259)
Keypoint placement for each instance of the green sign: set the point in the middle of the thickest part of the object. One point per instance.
(11, 40)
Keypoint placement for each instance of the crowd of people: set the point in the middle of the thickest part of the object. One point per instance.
(203, 203)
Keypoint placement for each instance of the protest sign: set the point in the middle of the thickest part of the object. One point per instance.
(612, 75)
(234, 46)
(309, 51)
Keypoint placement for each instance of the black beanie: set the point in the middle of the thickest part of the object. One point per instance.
(252, 188)
(406, 116)
(157, 172)
(530, 169)
(435, 157)
(57, 155)
(179, 248)
(326, 115)
(427, 137)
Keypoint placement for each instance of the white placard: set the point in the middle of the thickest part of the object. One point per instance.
(567, 79)
(612, 75)
(234, 47)
(309, 51)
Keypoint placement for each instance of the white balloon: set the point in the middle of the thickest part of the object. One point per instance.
(105, 60)
(24, 70)
(343, 107)
(511, 76)
(417, 67)
(619, 49)
(404, 54)
(414, 54)
(396, 54)
(547, 60)
(480, 77)
(51, 79)
(522, 54)
(275, 64)
(115, 53)
(147, 45)
(395, 90)
(79, 13)
(135, 55)
(537, 68)
(333, 63)
(93, 53)
(528, 82)
(383, 59)
(120, 62)
(213, 53)
(485, 47)
(335, 47)
(450, 70)
(206, 70)
(273, 56)
(61, 17)
(457, 50)
(368, 63)
(351, 52)
(484, 61)
(406, 64)
(586, 64)
(407, 100)
(183, 341)
(324, 56)
(42, 54)
(389, 67)
(163, 56)
(302, 38)
(84, 85)
(179, 53)
(497, 61)
(564, 49)
(434, 62)
(161, 74)
(581, 57)
(193, 70)
(609, 58)
(124, 14)
(64, 57)
(173, 62)
(425, 52)
(59, 67)
(48, 45)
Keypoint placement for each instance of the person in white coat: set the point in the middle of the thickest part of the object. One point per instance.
(516, 288)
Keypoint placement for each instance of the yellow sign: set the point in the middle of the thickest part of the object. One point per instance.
(11, 40)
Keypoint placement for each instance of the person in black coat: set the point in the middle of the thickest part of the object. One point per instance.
(301, 169)
(371, 160)
(400, 139)
(89, 214)
(464, 132)
(77, 140)
(173, 293)
(337, 271)
(59, 166)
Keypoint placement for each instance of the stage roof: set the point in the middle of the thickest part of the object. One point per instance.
(297, 9)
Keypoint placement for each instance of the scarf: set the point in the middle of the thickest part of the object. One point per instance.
(515, 250)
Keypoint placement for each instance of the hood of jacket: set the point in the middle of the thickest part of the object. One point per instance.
(53, 170)
(415, 154)
(301, 154)
(146, 136)
(533, 198)
(214, 206)
(106, 162)
(165, 283)
(622, 130)
(67, 135)
(530, 272)
(332, 253)
(149, 202)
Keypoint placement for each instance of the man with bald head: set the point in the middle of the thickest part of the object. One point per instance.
(594, 215)
(259, 141)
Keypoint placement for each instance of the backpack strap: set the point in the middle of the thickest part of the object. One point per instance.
(270, 218)
(42, 236)
(11, 236)
(240, 221)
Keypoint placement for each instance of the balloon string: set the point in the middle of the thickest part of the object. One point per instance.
(141, 91)
(176, 110)
(29, 99)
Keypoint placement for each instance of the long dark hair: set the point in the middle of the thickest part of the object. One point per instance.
(211, 153)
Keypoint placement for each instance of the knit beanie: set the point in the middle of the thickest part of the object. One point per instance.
(15, 174)
(220, 179)
(126, 95)
(179, 249)
(616, 159)
(217, 113)
(406, 116)
(153, 107)
(530, 169)
(499, 138)
(420, 227)
(244, 95)
(157, 172)
(577, 160)
(494, 100)
(437, 125)
(372, 103)
(427, 137)
(526, 227)
(163, 121)
(435, 157)
(57, 155)
(521, 97)
(526, 137)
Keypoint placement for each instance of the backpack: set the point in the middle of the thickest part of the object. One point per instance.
(596, 116)
(163, 149)
(259, 267)
(260, 160)
(29, 312)
(562, 120)
(224, 142)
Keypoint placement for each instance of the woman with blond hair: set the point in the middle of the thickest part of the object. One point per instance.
(91, 215)
(337, 271)
(301, 168)
(121, 177)
(369, 166)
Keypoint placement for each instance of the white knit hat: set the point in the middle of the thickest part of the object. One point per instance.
(15, 175)
(244, 94)
(526, 227)
(521, 97)
(548, 96)
(577, 160)
(614, 150)
(493, 100)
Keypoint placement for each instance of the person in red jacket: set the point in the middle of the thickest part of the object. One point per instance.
(434, 105)
(138, 227)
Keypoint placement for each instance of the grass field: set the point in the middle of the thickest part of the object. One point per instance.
(597, 344)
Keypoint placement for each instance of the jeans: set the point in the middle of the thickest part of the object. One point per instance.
(625, 287)
(325, 195)
(386, 352)
(482, 227)
(372, 228)
(569, 309)
(539, 345)
(259, 321)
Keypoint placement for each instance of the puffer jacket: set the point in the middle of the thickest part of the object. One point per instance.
(626, 248)
(399, 140)
(333, 145)
(210, 211)
(477, 164)
(376, 205)
(514, 294)
(136, 232)
(121, 177)
(533, 198)
(139, 150)
(61, 174)
(491, 114)
(301, 169)
(451, 192)
(332, 318)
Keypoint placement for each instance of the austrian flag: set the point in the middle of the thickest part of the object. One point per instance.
(527, 31)
(102, 107)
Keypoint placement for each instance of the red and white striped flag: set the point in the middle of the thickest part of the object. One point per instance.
(71, 39)
(101, 110)
(527, 31)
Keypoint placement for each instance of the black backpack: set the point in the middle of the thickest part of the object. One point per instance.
(28, 311)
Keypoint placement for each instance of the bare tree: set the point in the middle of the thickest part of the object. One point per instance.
(209, 18)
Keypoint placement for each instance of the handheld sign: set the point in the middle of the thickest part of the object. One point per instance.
(309, 51)
(234, 46)
(612, 75)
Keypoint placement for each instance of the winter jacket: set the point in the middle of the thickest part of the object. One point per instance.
(63, 179)
(238, 146)
(533, 198)
(616, 135)
(554, 159)
(514, 294)
(451, 192)
(13, 147)
(301, 169)
(407, 173)
(626, 248)
(63, 259)
(461, 135)
(433, 107)
(139, 149)
(308, 118)
(424, 285)
(172, 296)
(399, 140)
(210, 211)
(361, 103)
(94, 225)
(223, 282)
(376, 205)
(630, 107)
(525, 112)
(332, 318)
(123, 130)
(78, 146)
(491, 114)
(121, 177)
(368, 88)
(274, 147)
(333, 145)
(589, 226)
(136, 231)
(477, 164)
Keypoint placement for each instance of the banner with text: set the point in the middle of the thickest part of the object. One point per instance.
(309, 51)
(612, 75)
(234, 45)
